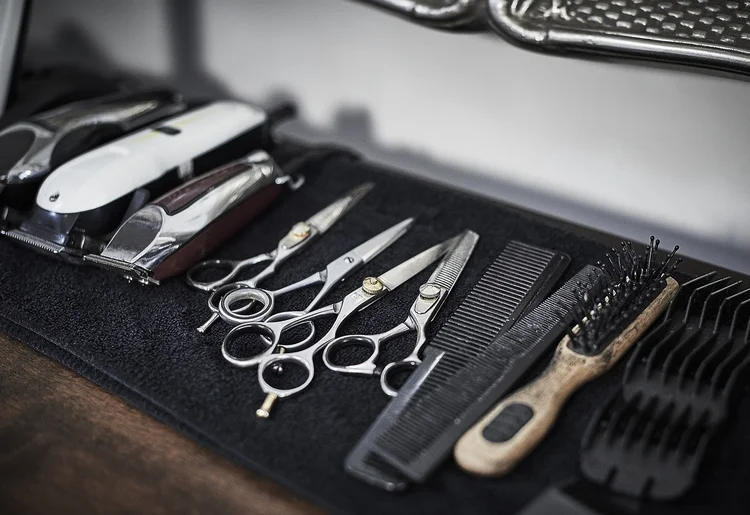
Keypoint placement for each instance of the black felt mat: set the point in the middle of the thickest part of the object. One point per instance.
(141, 344)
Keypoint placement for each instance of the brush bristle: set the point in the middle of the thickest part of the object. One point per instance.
(608, 302)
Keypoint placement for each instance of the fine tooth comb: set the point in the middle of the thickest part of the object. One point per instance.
(515, 282)
(679, 386)
(434, 419)
(610, 314)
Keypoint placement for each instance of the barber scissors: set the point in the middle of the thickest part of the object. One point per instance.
(372, 289)
(431, 297)
(336, 271)
(294, 242)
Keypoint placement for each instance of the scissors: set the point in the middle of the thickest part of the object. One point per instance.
(372, 289)
(336, 271)
(294, 242)
(431, 296)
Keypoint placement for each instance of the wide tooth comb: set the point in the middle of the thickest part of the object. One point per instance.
(514, 283)
(686, 290)
(695, 303)
(713, 302)
(647, 437)
(691, 367)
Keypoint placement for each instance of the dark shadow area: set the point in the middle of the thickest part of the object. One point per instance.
(186, 48)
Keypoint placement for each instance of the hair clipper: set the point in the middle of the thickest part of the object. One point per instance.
(31, 149)
(82, 202)
(168, 236)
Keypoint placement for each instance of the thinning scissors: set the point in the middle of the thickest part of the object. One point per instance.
(292, 243)
(372, 289)
(431, 297)
(335, 272)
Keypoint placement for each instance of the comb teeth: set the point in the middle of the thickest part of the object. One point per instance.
(678, 388)
(448, 404)
(494, 300)
(607, 303)
(522, 274)
(448, 271)
(696, 357)
(655, 440)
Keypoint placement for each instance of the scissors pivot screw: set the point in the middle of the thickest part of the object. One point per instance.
(429, 292)
(372, 285)
(300, 231)
(278, 368)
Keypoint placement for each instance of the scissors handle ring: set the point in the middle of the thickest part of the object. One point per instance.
(207, 265)
(254, 295)
(411, 362)
(270, 361)
(270, 335)
(286, 315)
(366, 367)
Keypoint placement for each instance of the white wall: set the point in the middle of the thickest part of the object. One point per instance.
(624, 148)
(11, 12)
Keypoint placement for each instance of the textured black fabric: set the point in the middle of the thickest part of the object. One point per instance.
(141, 344)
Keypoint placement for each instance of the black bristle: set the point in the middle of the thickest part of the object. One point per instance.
(610, 301)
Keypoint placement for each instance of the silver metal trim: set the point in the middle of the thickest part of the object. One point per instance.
(455, 13)
(168, 233)
(509, 18)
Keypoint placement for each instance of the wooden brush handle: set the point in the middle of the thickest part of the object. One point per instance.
(511, 430)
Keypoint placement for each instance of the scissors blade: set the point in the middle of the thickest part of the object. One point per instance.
(449, 269)
(398, 275)
(377, 244)
(325, 218)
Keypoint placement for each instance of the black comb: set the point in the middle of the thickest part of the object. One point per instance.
(610, 311)
(679, 386)
(515, 282)
(446, 406)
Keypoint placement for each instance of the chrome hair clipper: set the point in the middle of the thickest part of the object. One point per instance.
(82, 202)
(31, 149)
(168, 236)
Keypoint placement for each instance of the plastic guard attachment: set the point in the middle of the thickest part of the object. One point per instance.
(691, 32)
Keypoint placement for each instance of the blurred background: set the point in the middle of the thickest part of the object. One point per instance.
(626, 148)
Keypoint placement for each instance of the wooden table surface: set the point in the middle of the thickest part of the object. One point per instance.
(67, 446)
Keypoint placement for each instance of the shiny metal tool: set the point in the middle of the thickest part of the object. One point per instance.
(447, 14)
(31, 149)
(688, 32)
(334, 272)
(431, 296)
(295, 240)
(372, 290)
(83, 201)
(168, 236)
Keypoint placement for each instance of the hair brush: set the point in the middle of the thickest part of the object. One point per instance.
(611, 313)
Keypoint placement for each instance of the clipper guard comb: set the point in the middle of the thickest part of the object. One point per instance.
(679, 387)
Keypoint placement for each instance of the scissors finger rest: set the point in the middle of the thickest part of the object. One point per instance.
(388, 382)
(287, 361)
(230, 267)
(262, 300)
(365, 367)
